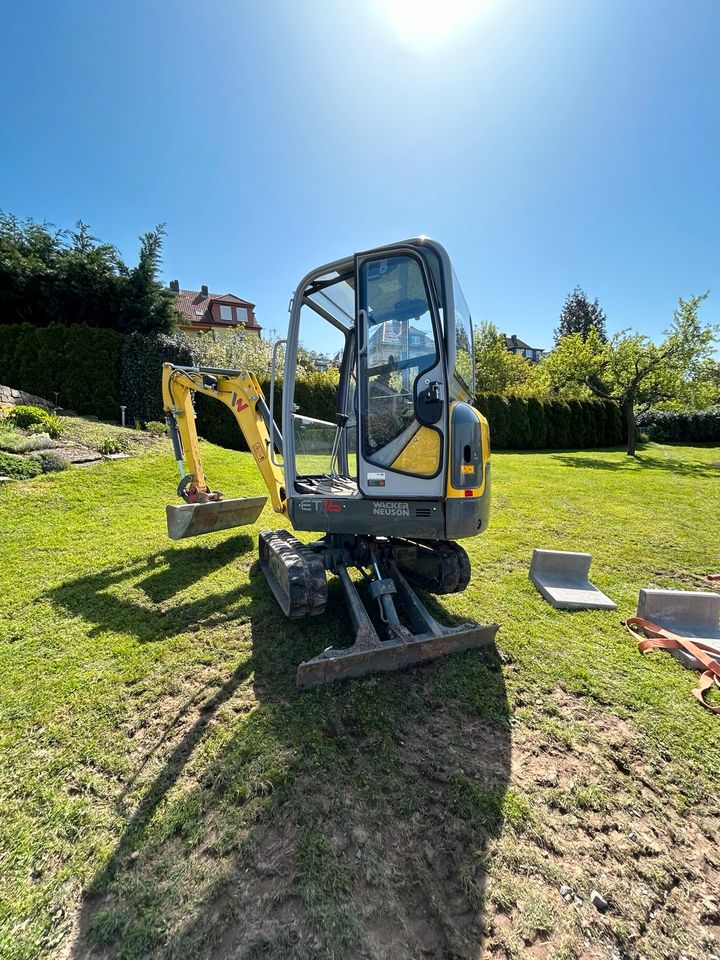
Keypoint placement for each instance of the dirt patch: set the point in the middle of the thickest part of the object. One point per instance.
(698, 581)
(459, 837)
(607, 824)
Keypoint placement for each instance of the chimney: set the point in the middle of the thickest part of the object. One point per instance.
(175, 286)
(204, 291)
(514, 338)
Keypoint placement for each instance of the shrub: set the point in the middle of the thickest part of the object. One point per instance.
(18, 467)
(36, 420)
(681, 426)
(26, 416)
(49, 461)
(14, 442)
(110, 445)
(156, 428)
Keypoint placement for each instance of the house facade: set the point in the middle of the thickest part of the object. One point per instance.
(202, 311)
(515, 345)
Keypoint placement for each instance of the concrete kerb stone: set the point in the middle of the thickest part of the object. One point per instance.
(562, 577)
(689, 613)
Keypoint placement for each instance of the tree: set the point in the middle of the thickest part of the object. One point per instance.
(496, 369)
(70, 277)
(635, 372)
(578, 315)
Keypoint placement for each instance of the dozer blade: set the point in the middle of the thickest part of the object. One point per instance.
(427, 640)
(192, 519)
(357, 661)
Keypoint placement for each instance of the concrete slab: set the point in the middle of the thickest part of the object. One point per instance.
(563, 578)
(689, 613)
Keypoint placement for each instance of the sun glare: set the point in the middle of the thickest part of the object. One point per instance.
(427, 24)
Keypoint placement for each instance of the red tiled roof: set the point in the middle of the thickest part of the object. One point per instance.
(195, 309)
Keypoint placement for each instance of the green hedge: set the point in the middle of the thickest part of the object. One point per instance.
(79, 363)
(533, 424)
(684, 426)
(143, 356)
(96, 370)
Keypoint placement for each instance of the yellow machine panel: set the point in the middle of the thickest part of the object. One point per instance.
(422, 454)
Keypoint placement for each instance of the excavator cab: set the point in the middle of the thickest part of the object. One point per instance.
(393, 468)
(403, 445)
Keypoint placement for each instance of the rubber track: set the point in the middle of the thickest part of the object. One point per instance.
(453, 573)
(301, 591)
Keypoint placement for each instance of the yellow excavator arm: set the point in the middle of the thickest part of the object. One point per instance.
(240, 391)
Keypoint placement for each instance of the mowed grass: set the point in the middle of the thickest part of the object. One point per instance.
(165, 791)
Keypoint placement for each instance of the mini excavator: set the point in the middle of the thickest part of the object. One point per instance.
(401, 474)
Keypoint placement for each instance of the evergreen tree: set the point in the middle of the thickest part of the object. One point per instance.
(579, 316)
(70, 277)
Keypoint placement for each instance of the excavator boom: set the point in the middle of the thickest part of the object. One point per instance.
(204, 510)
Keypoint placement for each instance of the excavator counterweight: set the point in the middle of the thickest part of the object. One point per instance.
(401, 474)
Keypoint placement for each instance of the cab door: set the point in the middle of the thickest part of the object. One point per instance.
(402, 388)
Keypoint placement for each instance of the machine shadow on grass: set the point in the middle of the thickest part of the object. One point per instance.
(640, 463)
(353, 820)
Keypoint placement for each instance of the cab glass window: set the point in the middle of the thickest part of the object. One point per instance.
(464, 353)
(400, 345)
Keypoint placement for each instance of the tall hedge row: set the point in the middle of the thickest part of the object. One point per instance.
(702, 426)
(80, 364)
(534, 424)
(95, 370)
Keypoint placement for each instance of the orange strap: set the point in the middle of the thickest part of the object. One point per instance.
(658, 638)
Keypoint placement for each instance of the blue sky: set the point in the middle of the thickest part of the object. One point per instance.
(545, 144)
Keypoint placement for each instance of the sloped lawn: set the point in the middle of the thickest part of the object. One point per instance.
(165, 791)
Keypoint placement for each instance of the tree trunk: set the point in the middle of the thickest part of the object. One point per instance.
(629, 408)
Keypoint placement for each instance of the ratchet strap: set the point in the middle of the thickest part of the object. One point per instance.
(658, 638)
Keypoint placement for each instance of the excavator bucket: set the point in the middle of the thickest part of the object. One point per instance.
(192, 519)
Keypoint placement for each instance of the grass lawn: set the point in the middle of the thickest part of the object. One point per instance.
(166, 792)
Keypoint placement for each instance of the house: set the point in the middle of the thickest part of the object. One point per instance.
(522, 349)
(202, 311)
(394, 338)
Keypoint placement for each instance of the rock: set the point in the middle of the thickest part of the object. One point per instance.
(358, 854)
(598, 901)
(568, 898)
(548, 779)
(566, 889)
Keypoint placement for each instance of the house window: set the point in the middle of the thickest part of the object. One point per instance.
(530, 353)
(242, 314)
(225, 313)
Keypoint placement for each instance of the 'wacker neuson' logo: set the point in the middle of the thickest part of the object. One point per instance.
(387, 508)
